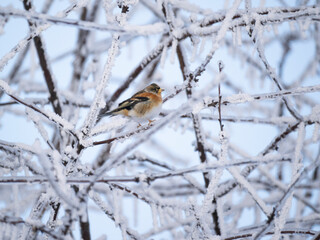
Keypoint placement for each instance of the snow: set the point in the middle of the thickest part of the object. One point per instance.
(35, 118)
(280, 221)
(5, 87)
(59, 187)
(147, 182)
(155, 28)
(116, 206)
(154, 217)
(116, 123)
(173, 51)
(66, 126)
(297, 153)
(246, 185)
(98, 102)
(163, 56)
(35, 31)
(21, 45)
(82, 3)
(239, 36)
(315, 135)
(197, 107)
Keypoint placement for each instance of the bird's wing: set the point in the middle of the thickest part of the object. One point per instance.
(131, 102)
(138, 93)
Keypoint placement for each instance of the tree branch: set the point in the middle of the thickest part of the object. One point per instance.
(55, 102)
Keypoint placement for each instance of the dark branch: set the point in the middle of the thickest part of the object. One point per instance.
(55, 102)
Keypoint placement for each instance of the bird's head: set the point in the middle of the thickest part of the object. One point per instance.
(154, 88)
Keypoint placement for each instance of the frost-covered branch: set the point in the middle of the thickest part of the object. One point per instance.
(36, 225)
(65, 125)
(85, 25)
(235, 157)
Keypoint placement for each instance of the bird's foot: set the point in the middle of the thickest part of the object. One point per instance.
(150, 122)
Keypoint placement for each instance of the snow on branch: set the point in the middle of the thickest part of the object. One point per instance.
(230, 154)
(85, 25)
(64, 124)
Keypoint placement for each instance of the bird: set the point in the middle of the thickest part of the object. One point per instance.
(143, 105)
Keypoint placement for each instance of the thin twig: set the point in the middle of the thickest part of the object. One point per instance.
(220, 97)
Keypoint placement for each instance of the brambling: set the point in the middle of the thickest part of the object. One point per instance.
(143, 105)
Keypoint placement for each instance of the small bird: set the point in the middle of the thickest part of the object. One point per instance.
(143, 105)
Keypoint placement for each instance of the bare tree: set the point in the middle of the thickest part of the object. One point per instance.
(234, 154)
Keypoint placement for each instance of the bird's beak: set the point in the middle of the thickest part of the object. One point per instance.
(161, 90)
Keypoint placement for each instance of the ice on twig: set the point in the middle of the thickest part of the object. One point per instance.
(154, 217)
(315, 135)
(280, 220)
(163, 56)
(173, 51)
(299, 146)
(98, 102)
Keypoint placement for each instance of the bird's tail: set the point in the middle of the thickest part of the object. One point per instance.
(104, 114)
